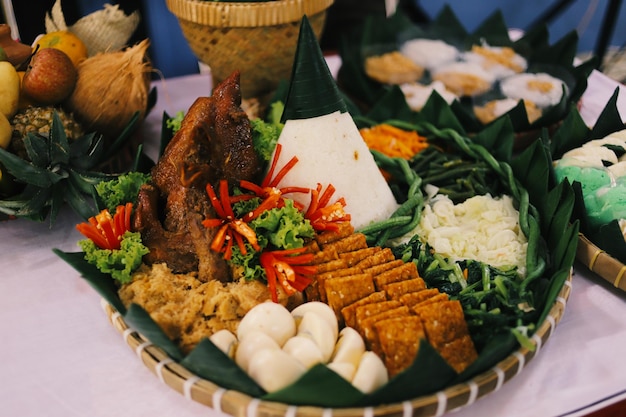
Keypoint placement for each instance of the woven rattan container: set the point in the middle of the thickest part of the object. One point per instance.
(258, 39)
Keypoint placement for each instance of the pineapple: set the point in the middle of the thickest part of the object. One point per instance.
(39, 120)
(56, 170)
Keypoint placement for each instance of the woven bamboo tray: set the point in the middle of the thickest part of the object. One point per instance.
(241, 405)
(258, 39)
(601, 263)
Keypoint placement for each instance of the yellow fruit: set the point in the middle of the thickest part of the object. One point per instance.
(5, 131)
(9, 89)
(67, 42)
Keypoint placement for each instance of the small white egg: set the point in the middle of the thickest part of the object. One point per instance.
(248, 347)
(343, 369)
(320, 308)
(275, 369)
(318, 329)
(371, 373)
(270, 318)
(226, 341)
(349, 348)
(304, 350)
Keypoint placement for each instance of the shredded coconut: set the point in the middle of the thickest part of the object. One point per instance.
(482, 228)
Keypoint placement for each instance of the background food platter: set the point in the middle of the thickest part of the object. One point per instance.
(235, 403)
(601, 263)
(383, 35)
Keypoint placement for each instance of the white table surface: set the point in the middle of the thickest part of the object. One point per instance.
(62, 358)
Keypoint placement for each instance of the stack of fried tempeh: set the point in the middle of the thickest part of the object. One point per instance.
(387, 302)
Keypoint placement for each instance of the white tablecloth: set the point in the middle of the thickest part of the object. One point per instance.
(62, 358)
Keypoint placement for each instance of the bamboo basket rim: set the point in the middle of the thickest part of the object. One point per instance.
(238, 404)
(245, 14)
(601, 263)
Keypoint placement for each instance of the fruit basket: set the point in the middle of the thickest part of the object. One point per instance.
(258, 38)
(429, 385)
(378, 38)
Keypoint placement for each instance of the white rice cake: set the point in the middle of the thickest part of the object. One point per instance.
(330, 150)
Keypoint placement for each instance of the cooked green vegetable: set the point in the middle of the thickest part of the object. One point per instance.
(121, 190)
(265, 133)
(174, 122)
(493, 299)
(120, 263)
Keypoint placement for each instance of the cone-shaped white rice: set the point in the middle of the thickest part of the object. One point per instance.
(330, 150)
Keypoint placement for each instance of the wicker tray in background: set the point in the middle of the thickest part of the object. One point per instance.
(258, 39)
(237, 404)
(601, 263)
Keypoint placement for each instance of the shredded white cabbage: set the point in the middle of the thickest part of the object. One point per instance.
(482, 228)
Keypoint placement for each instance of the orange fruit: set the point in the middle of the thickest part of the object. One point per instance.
(67, 42)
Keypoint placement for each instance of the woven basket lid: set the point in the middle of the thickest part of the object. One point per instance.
(245, 14)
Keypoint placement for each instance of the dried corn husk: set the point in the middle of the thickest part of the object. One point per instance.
(111, 88)
(105, 30)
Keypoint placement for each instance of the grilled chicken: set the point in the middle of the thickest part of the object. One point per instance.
(213, 143)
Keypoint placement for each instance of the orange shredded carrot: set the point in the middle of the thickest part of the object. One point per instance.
(393, 142)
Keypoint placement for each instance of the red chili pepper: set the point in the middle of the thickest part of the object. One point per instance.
(290, 268)
(323, 216)
(231, 230)
(106, 231)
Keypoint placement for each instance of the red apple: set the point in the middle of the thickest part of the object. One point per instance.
(50, 77)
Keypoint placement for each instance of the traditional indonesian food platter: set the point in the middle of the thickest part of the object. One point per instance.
(320, 256)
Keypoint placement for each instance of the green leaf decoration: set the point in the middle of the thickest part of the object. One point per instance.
(445, 25)
(209, 362)
(37, 149)
(28, 172)
(103, 283)
(609, 120)
(137, 318)
(312, 91)
(319, 386)
(491, 138)
(428, 373)
(572, 134)
(58, 171)
(493, 28)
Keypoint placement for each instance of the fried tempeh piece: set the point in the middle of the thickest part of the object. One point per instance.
(399, 339)
(320, 279)
(349, 312)
(372, 309)
(347, 244)
(444, 321)
(383, 256)
(368, 331)
(395, 290)
(343, 291)
(403, 272)
(356, 256)
(414, 298)
(376, 270)
(459, 353)
(345, 229)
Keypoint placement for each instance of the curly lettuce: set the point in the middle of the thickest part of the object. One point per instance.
(120, 263)
(265, 133)
(121, 190)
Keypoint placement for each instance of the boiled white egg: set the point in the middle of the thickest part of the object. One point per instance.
(225, 341)
(370, 374)
(250, 345)
(343, 369)
(318, 329)
(274, 369)
(320, 308)
(349, 348)
(270, 318)
(305, 350)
